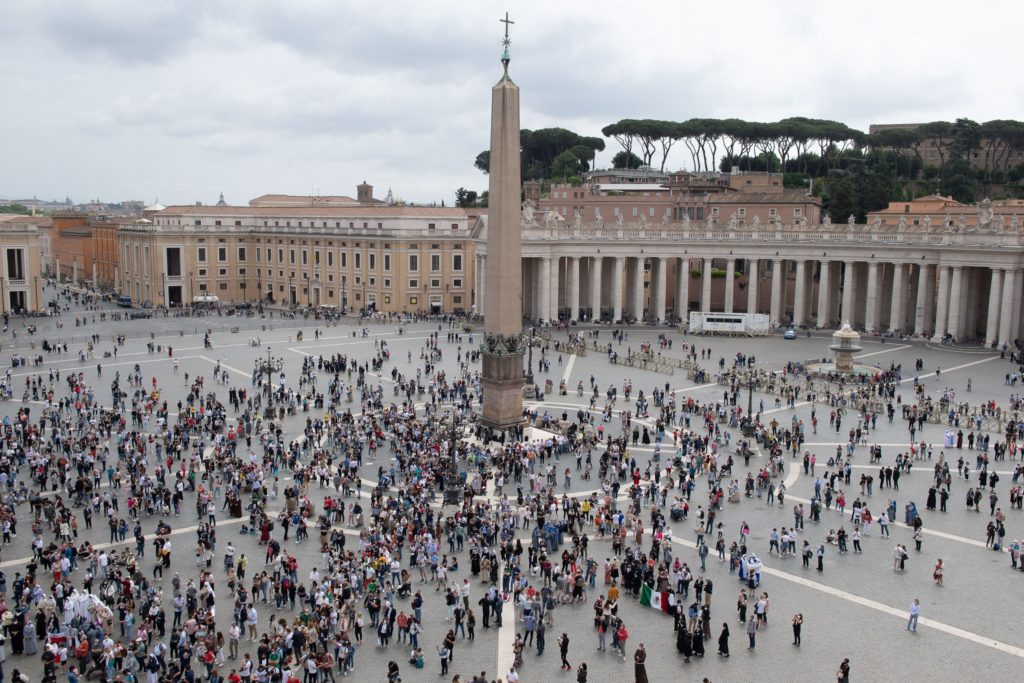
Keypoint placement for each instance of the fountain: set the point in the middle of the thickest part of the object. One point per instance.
(844, 345)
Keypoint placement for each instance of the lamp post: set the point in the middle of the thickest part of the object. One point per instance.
(269, 412)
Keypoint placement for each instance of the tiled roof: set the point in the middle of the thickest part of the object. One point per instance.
(380, 211)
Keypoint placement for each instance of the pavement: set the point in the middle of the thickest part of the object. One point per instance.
(856, 608)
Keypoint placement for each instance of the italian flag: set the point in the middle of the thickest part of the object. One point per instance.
(659, 601)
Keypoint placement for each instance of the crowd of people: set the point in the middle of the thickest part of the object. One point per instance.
(402, 492)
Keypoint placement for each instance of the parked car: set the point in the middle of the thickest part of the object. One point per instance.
(136, 315)
(789, 334)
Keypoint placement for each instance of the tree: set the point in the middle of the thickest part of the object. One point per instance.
(465, 198)
(539, 148)
(842, 200)
(566, 165)
(626, 159)
(937, 133)
(15, 209)
(483, 161)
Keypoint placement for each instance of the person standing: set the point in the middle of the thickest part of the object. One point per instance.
(821, 557)
(639, 664)
(563, 651)
(843, 675)
(915, 613)
(752, 631)
(723, 641)
(938, 572)
(798, 624)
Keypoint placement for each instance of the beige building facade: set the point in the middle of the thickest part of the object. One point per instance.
(384, 257)
(20, 285)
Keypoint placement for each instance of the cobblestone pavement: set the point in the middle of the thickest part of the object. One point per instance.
(855, 608)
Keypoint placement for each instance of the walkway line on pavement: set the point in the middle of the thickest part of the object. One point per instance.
(878, 353)
(568, 369)
(350, 342)
(955, 367)
(924, 529)
(44, 371)
(130, 542)
(225, 366)
(507, 632)
(882, 607)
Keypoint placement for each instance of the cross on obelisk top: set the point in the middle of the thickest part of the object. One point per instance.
(505, 57)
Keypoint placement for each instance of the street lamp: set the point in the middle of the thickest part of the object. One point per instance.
(529, 361)
(269, 412)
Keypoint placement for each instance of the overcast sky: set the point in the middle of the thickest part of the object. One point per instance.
(182, 99)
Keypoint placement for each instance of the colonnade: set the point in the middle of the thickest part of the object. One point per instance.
(903, 295)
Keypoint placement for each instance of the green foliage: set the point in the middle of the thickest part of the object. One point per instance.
(15, 208)
(539, 149)
(565, 165)
(465, 198)
(626, 159)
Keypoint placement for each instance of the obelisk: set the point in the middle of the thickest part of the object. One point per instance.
(502, 379)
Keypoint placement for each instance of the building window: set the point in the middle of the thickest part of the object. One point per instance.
(291, 257)
(222, 272)
(241, 254)
(202, 272)
(241, 272)
(222, 254)
(387, 263)
(773, 212)
(457, 283)
(455, 226)
(414, 263)
(358, 260)
(223, 286)
(330, 258)
(743, 212)
(435, 263)
(797, 211)
(344, 259)
(457, 299)
(457, 262)
(414, 283)
(373, 261)
(431, 226)
(714, 210)
(387, 283)
(435, 283)
(201, 254)
(373, 282)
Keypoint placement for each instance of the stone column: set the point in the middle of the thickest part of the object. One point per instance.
(705, 286)
(595, 288)
(824, 295)
(620, 266)
(545, 289)
(800, 293)
(552, 314)
(776, 303)
(658, 293)
(74, 273)
(942, 303)
(638, 289)
(730, 284)
(955, 299)
(752, 286)
(995, 292)
(94, 282)
(871, 309)
(899, 296)
(574, 288)
(683, 290)
(924, 278)
(481, 283)
(1007, 332)
(849, 300)
(59, 275)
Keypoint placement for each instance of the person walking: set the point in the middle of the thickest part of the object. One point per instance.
(752, 631)
(639, 664)
(821, 557)
(915, 614)
(798, 625)
(723, 641)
